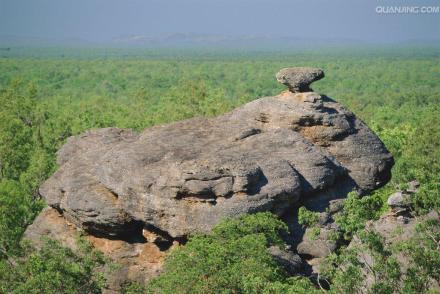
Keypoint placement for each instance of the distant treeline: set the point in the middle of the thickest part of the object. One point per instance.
(216, 53)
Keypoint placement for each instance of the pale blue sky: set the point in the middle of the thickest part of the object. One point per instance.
(102, 20)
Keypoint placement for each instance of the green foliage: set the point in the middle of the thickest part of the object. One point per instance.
(133, 288)
(261, 223)
(211, 265)
(357, 210)
(347, 278)
(232, 259)
(424, 254)
(422, 162)
(17, 211)
(41, 164)
(46, 100)
(370, 256)
(16, 129)
(395, 138)
(292, 285)
(347, 271)
(307, 218)
(417, 153)
(384, 268)
(24, 163)
(314, 233)
(53, 269)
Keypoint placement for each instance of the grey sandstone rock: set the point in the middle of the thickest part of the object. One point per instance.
(184, 177)
(138, 260)
(413, 187)
(298, 79)
(399, 200)
(291, 262)
(317, 246)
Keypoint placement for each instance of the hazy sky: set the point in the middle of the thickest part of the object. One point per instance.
(101, 20)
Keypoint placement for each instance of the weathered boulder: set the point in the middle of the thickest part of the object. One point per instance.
(413, 187)
(186, 176)
(291, 262)
(318, 240)
(317, 244)
(399, 201)
(298, 79)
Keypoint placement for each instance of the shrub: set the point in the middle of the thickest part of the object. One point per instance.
(356, 211)
(371, 256)
(17, 211)
(307, 218)
(53, 269)
(232, 259)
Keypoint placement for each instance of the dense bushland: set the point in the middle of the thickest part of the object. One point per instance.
(232, 259)
(44, 101)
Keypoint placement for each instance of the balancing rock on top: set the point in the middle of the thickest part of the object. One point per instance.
(298, 79)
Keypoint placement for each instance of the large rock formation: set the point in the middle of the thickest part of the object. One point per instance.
(185, 177)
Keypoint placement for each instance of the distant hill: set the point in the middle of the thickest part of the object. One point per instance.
(180, 39)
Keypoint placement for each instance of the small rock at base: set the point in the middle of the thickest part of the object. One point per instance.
(290, 261)
(399, 200)
(413, 187)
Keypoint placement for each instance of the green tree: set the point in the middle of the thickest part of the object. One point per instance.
(356, 211)
(54, 269)
(17, 211)
(17, 122)
(232, 259)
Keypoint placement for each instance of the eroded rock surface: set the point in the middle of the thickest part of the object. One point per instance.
(291, 262)
(298, 79)
(132, 259)
(399, 201)
(186, 176)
